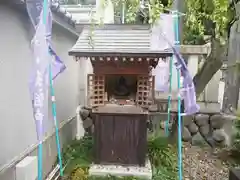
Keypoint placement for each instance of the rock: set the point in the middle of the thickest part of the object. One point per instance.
(84, 113)
(197, 139)
(219, 135)
(187, 120)
(204, 130)
(153, 108)
(210, 141)
(163, 124)
(193, 128)
(186, 135)
(87, 108)
(202, 119)
(87, 123)
(217, 121)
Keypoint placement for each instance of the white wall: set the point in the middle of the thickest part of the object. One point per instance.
(17, 127)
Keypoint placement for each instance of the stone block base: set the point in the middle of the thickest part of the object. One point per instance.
(211, 128)
(234, 174)
(117, 170)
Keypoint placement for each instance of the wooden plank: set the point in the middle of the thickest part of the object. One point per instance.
(120, 139)
(119, 109)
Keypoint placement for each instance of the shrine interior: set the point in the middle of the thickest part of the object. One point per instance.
(121, 88)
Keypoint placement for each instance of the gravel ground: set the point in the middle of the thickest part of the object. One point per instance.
(199, 163)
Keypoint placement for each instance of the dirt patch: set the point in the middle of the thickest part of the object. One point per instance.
(201, 163)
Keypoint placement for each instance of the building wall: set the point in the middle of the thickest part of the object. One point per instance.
(17, 127)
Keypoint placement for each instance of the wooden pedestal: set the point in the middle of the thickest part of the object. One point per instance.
(120, 138)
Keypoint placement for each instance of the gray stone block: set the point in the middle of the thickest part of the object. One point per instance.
(193, 128)
(186, 135)
(205, 130)
(84, 113)
(87, 123)
(197, 139)
(219, 135)
(202, 119)
(217, 121)
(187, 120)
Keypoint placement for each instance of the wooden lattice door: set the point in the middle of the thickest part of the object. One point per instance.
(96, 90)
(145, 87)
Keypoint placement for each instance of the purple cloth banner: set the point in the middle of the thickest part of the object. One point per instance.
(34, 8)
(189, 94)
(57, 65)
(40, 79)
(164, 31)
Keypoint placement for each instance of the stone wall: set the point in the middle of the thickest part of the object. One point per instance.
(205, 127)
(196, 129)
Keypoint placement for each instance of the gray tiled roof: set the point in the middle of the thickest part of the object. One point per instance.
(71, 17)
(68, 15)
(116, 39)
(76, 14)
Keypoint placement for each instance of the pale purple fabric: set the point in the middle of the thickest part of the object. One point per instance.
(40, 79)
(34, 8)
(162, 38)
(161, 73)
(57, 65)
(189, 94)
(158, 43)
(165, 25)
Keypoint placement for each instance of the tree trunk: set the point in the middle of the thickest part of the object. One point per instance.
(232, 84)
(219, 54)
(212, 64)
(231, 90)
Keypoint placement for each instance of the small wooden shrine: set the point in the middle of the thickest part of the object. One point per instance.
(120, 89)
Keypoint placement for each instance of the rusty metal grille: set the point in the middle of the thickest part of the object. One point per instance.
(145, 88)
(96, 89)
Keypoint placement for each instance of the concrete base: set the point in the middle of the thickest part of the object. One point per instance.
(117, 170)
(27, 168)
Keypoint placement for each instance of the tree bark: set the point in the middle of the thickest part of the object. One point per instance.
(232, 84)
(231, 90)
(212, 64)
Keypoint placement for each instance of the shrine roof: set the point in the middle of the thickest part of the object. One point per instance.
(116, 40)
